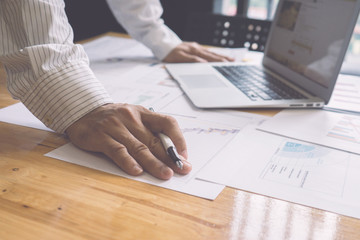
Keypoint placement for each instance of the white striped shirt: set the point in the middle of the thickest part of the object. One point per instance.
(50, 74)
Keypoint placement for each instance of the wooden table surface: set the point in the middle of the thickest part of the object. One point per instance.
(44, 198)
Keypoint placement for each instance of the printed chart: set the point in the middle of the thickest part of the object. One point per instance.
(288, 169)
(346, 95)
(347, 129)
(204, 139)
(310, 167)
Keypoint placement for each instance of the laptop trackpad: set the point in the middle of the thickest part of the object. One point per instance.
(202, 81)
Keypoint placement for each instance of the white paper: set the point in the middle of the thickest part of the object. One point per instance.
(288, 169)
(149, 86)
(114, 54)
(72, 154)
(18, 114)
(346, 94)
(204, 140)
(327, 128)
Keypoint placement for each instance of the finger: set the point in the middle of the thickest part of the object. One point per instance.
(210, 56)
(184, 56)
(186, 165)
(159, 151)
(168, 125)
(119, 154)
(223, 57)
(152, 141)
(141, 154)
(206, 54)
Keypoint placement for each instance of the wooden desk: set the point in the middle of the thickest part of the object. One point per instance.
(44, 198)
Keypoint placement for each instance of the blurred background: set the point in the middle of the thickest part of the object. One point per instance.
(93, 17)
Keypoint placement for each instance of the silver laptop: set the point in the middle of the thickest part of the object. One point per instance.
(302, 59)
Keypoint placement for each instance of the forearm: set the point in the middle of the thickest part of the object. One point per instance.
(46, 71)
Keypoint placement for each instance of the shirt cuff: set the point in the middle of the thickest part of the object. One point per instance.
(62, 96)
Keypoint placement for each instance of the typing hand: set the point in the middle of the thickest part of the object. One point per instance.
(193, 52)
(125, 133)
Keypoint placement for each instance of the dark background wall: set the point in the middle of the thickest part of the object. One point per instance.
(93, 17)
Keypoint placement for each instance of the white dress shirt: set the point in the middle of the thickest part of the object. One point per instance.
(48, 73)
(142, 20)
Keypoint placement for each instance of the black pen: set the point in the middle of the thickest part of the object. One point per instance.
(170, 148)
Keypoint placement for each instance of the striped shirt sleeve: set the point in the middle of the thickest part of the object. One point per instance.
(45, 69)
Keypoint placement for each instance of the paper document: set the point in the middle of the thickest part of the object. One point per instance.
(204, 139)
(346, 95)
(149, 86)
(288, 169)
(327, 128)
(72, 154)
(18, 114)
(114, 54)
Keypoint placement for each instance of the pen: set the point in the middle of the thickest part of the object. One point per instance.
(170, 148)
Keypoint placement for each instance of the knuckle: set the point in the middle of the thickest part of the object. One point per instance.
(170, 120)
(118, 149)
(194, 46)
(127, 111)
(139, 149)
(154, 141)
(141, 108)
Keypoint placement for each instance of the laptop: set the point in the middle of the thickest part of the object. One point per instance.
(301, 62)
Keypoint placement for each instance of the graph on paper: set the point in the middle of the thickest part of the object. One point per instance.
(307, 166)
(347, 129)
(346, 94)
(204, 139)
(221, 131)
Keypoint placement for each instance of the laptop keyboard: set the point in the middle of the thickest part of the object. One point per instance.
(258, 84)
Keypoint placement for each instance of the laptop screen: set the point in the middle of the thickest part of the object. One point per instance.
(308, 37)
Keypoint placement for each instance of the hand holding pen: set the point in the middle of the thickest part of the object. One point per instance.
(129, 135)
(170, 148)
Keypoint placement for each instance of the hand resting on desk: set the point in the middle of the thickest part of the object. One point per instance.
(126, 134)
(194, 52)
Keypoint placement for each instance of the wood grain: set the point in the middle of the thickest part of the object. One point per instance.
(44, 198)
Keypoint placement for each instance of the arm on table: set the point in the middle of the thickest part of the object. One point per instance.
(51, 76)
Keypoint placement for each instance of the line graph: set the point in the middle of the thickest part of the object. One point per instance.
(221, 131)
(347, 129)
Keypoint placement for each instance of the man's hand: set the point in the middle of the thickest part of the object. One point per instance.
(193, 52)
(127, 134)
